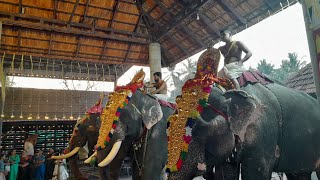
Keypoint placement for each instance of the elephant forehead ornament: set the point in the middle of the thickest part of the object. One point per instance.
(95, 109)
(194, 92)
(117, 101)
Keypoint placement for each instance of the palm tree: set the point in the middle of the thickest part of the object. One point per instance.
(181, 75)
(265, 67)
(289, 67)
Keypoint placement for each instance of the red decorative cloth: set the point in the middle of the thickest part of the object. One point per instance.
(168, 104)
(253, 76)
(97, 108)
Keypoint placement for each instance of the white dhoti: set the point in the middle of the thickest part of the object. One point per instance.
(233, 70)
(162, 97)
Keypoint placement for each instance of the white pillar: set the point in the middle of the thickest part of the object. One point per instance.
(312, 47)
(154, 59)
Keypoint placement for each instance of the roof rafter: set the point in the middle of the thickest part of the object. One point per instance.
(129, 47)
(42, 26)
(188, 31)
(73, 11)
(60, 57)
(55, 9)
(78, 46)
(213, 29)
(228, 7)
(177, 43)
(50, 43)
(85, 11)
(114, 11)
(181, 16)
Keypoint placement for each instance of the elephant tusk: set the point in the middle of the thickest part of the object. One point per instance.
(65, 156)
(87, 161)
(114, 151)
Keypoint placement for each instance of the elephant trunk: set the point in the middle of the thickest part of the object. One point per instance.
(68, 155)
(87, 161)
(114, 151)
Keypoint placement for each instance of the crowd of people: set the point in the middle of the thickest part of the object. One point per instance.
(37, 167)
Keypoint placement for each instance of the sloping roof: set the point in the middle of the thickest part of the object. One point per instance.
(117, 32)
(303, 81)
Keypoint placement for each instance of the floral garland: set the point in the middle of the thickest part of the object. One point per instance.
(117, 101)
(195, 94)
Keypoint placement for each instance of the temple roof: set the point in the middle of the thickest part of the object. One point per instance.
(116, 33)
(303, 80)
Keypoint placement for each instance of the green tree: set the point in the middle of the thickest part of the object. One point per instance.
(289, 67)
(181, 75)
(265, 67)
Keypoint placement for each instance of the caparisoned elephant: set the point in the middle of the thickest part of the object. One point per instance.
(269, 128)
(85, 132)
(141, 127)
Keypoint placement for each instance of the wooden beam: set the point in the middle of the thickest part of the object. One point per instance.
(19, 39)
(177, 44)
(85, 11)
(55, 9)
(181, 16)
(228, 7)
(103, 49)
(191, 35)
(20, 6)
(127, 54)
(64, 24)
(55, 41)
(73, 11)
(41, 26)
(50, 43)
(62, 57)
(115, 7)
(212, 28)
(78, 46)
(269, 5)
(0, 32)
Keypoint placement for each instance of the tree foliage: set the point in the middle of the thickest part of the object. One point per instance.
(288, 68)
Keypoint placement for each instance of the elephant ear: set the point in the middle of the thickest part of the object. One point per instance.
(151, 112)
(243, 110)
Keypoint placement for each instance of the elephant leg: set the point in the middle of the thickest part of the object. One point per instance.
(114, 167)
(189, 167)
(155, 154)
(257, 167)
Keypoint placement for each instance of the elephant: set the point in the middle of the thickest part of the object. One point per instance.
(264, 128)
(141, 131)
(87, 133)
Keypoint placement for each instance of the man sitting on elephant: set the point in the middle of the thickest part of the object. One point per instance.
(161, 87)
(233, 61)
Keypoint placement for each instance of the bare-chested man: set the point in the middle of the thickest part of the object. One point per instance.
(233, 61)
(160, 85)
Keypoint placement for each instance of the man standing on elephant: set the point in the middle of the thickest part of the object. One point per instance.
(161, 87)
(233, 61)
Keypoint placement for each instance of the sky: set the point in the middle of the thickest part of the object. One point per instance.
(271, 39)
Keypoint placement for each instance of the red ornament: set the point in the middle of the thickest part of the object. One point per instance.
(179, 164)
(187, 139)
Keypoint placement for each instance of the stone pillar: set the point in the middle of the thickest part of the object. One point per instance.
(312, 46)
(154, 59)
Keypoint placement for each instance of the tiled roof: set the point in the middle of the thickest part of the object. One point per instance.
(303, 81)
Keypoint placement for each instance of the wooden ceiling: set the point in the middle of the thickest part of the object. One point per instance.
(117, 32)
